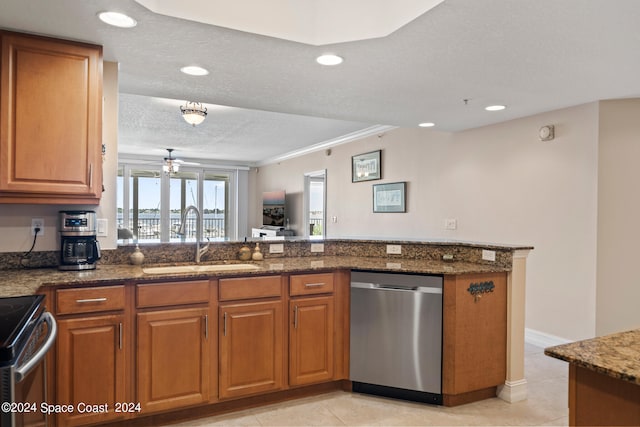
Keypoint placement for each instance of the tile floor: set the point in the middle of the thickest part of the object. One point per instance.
(545, 406)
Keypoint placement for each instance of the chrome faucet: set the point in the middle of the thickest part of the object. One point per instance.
(183, 226)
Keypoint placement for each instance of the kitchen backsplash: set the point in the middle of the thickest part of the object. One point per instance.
(170, 253)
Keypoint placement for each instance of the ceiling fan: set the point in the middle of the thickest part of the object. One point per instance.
(171, 165)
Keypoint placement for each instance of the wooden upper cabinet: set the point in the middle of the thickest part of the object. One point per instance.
(50, 121)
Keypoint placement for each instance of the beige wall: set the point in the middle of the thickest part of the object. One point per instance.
(618, 293)
(15, 220)
(500, 182)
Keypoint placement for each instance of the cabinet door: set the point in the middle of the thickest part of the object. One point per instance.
(173, 358)
(50, 119)
(474, 332)
(311, 339)
(251, 348)
(90, 362)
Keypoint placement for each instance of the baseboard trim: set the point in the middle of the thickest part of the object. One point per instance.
(513, 391)
(541, 339)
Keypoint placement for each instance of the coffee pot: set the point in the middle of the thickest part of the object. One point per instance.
(80, 249)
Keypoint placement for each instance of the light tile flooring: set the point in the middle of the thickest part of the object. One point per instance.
(545, 406)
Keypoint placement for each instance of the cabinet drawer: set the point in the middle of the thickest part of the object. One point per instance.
(250, 287)
(89, 300)
(305, 284)
(172, 293)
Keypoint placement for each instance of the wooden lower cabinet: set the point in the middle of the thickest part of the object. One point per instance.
(251, 348)
(172, 358)
(596, 399)
(311, 340)
(90, 366)
(474, 336)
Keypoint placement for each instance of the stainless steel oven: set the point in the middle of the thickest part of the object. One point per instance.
(27, 332)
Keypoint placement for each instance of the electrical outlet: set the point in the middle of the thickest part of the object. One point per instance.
(37, 223)
(394, 249)
(317, 247)
(276, 248)
(488, 255)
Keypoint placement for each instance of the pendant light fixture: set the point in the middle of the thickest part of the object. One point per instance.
(170, 165)
(193, 113)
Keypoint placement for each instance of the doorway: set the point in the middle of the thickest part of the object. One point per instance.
(315, 201)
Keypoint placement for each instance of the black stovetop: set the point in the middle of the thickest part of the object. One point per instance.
(17, 319)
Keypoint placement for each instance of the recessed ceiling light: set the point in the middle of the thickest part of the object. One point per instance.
(329, 59)
(194, 70)
(117, 19)
(495, 107)
(427, 125)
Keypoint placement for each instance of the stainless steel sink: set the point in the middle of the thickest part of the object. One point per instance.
(199, 268)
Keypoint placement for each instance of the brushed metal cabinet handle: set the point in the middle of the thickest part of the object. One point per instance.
(206, 326)
(90, 175)
(225, 324)
(120, 335)
(313, 285)
(80, 301)
(295, 317)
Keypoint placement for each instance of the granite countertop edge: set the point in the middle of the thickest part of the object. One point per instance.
(30, 281)
(616, 355)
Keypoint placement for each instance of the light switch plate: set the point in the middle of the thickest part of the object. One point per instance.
(102, 227)
(450, 224)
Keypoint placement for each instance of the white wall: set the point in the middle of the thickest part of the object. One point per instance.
(15, 220)
(501, 184)
(618, 294)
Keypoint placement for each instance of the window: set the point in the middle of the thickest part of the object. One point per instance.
(151, 203)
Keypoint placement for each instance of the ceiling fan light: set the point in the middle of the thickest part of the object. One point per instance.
(170, 166)
(193, 113)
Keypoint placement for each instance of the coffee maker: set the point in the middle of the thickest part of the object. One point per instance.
(80, 249)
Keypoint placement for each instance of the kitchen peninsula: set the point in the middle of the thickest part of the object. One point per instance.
(604, 379)
(141, 312)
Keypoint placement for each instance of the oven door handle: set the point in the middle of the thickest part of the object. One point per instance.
(52, 331)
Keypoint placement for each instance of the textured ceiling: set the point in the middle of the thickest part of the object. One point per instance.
(531, 55)
(150, 125)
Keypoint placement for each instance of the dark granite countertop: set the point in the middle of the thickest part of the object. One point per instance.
(28, 281)
(616, 355)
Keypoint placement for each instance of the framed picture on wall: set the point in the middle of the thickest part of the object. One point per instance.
(366, 167)
(389, 197)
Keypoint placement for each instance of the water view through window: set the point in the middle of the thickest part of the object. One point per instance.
(150, 218)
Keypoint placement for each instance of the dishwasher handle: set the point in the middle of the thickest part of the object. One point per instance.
(396, 288)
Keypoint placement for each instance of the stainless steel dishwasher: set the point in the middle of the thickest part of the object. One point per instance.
(396, 335)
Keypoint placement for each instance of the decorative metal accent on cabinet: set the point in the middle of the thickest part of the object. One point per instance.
(479, 289)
